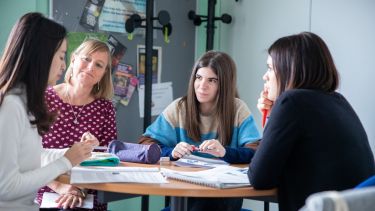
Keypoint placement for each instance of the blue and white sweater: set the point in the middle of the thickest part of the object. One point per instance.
(169, 129)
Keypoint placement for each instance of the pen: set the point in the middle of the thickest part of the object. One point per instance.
(265, 112)
(100, 148)
(195, 148)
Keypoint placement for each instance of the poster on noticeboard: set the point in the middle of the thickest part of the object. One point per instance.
(156, 64)
(115, 13)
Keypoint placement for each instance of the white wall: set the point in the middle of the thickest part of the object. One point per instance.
(11, 10)
(256, 24)
(348, 27)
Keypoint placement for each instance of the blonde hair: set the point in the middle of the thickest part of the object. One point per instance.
(104, 88)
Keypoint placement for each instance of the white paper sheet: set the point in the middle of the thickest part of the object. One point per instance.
(48, 201)
(162, 96)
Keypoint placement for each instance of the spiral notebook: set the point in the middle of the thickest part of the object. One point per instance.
(218, 177)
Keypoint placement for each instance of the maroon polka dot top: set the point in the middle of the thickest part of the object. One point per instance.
(97, 117)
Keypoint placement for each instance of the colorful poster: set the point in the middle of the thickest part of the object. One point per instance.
(117, 51)
(91, 13)
(156, 64)
(121, 79)
(115, 13)
(124, 83)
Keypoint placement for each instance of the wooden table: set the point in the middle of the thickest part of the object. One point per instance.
(177, 190)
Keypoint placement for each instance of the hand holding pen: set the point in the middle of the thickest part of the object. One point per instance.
(80, 151)
(182, 149)
(90, 138)
(264, 105)
(213, 147)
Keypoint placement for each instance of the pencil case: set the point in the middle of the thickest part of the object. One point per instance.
(137, 153)
(101, 159)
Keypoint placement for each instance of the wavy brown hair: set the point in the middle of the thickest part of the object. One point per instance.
(303, 61)
(225, 69)
(27, 59)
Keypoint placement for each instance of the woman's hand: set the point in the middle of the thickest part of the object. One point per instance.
(90, 138)
(212, 147)
(71, 198)
(264, 104)
(182, 149)
(79, 152)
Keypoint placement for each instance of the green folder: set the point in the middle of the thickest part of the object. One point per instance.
(101, 159)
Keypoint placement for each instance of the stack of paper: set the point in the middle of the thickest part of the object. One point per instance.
(96, 174)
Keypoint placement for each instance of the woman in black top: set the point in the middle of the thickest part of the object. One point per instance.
(313, 140)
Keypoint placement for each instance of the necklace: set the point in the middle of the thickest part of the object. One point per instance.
(75, 121)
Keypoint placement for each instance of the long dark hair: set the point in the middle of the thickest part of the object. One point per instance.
(27, 59)
(303, 61)
(225, 69)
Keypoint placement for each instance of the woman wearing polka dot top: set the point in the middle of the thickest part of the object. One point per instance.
(83, 104)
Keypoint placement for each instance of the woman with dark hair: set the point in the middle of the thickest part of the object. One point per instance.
(34, 56)
(313, 140)
(211, 118)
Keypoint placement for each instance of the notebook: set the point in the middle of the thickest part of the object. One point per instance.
(218, 177)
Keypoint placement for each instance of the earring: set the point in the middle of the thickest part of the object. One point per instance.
(98, 86)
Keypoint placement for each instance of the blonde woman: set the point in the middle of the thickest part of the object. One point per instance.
(83, 104)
